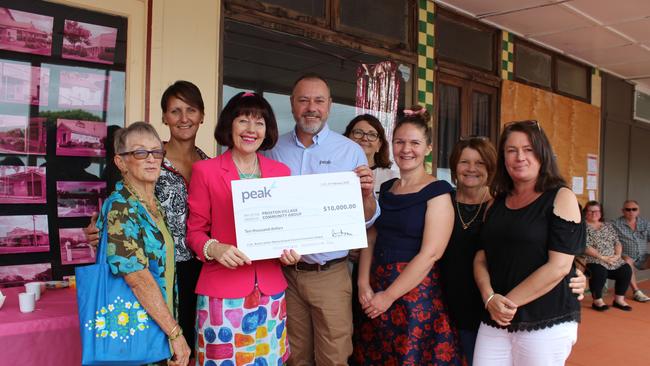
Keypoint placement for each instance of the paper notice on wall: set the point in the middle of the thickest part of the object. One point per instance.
(592, 181)
(592, 163)
(578, 185)
(592, 195)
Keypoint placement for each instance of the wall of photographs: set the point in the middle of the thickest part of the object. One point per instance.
(62, 91)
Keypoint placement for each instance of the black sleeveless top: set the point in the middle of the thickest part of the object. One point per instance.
(463, 298)
(516, 243)
(400, 226)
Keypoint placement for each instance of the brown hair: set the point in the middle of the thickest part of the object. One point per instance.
(246, 104)
(310, 76)
(549, 174)
(481, 145)
(418, 116)
(185, 91)
(381, 157)
(594, 203)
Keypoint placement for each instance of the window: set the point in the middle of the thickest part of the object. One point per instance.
(572, 79)
(533, 65)
(315, 8)
(543, 68)
(470, 44)
(389, 18)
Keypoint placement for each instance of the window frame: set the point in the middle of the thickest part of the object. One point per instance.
(554, 70)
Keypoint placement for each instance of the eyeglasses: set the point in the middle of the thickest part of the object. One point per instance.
(142, 154)
(631, 209)
(371, 136)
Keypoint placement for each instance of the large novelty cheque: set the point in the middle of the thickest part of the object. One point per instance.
(315, 213)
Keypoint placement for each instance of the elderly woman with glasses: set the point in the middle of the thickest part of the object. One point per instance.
(532, 231)
(138, 234)
(603, 255)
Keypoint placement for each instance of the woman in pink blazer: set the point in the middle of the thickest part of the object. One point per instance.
(241, 311)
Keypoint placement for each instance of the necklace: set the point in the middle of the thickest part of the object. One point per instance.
(460, 215)
(244, 174)
(154, 210)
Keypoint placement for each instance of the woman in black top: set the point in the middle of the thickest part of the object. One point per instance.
(472, 162)
(531, 234)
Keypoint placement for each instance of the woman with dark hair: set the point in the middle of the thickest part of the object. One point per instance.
(407, 321)
(367, 131)
(531, 233)
(604, 259)
(241, 312)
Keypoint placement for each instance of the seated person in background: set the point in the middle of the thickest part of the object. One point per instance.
(634, 233)
(603, 255)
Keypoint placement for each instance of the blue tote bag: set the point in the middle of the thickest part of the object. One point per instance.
(115, 328)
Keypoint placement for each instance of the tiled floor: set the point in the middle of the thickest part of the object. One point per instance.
(613, 337)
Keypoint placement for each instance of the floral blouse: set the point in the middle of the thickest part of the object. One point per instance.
(171, 191)
(603, 240)
(134, 240)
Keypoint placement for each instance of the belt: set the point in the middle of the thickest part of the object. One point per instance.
(303, 266)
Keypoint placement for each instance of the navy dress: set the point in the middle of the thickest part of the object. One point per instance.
(416, 329)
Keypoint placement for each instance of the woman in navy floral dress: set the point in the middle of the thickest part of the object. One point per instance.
(407, 321)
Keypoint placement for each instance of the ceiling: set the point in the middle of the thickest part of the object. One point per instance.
(613, 36)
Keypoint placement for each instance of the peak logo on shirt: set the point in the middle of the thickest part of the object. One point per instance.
(324, 162)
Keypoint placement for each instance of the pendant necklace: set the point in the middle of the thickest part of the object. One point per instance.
(460, 216)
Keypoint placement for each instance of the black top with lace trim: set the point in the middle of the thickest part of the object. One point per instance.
(516, 244)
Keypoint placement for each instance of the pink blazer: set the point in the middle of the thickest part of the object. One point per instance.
(211, 216)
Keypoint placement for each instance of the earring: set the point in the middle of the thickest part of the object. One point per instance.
(163, 121)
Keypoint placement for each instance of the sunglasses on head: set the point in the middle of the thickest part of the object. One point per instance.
(474, 138)
(524, 123)
(631, 209)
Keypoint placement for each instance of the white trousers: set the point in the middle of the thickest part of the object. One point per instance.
(544, 347)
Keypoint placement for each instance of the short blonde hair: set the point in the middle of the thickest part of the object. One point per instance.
(121, 135)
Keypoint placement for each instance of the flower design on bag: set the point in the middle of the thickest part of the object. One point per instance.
(119, 320)
(123, 319)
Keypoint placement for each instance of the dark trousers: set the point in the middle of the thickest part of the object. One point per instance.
(187, 275)
(600, 274)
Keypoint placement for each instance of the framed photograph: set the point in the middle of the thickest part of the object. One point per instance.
(25, 32)
(11, 276)
(24, 84)
(22, 184)
(80, 138)
(79, 199)
(74, 247)
(20, 135)
(89, 42)
(83, 90)
(24, 234)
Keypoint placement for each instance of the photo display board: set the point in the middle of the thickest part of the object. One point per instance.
(62, 93)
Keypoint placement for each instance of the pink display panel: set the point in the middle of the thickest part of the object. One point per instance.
(79, 199)
(89, 42)
(22, 184)
(80, 138)
(83, 90)
(24, 84)
(24, 234)
(74, 247)
(25, 32)
(19, 135)
(19, 275)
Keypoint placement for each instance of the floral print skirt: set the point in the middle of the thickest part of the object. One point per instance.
(245, 331)
(415, 330)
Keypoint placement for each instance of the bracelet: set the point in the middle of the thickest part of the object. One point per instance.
(206, 248)
(489, 298)
(178, 334)
(172, 331)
